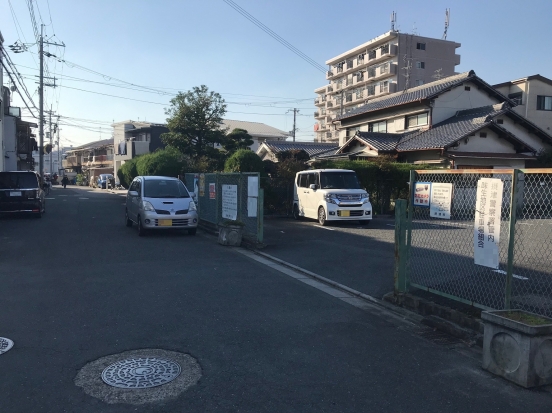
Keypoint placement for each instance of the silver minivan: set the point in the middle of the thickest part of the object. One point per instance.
(160, 202)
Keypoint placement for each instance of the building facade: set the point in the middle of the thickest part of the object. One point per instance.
(91, 159)
(387, 64)
(458, 122)
(533, 96)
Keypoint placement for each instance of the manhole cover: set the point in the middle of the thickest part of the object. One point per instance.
(141, 373)
(5, 344)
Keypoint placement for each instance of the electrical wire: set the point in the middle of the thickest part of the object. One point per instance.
(274, 35)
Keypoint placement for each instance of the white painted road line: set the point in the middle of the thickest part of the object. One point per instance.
(519, 277)
(390, 225)
(320, 226)
(84, 198)
(49, 198)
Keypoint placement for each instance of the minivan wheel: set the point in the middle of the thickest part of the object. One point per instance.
(322, 217)
(296, 215)
(127, 219)
(141, 229)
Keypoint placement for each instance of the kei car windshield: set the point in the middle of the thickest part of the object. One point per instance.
(339, 180)
(161, 188)
(18, 180)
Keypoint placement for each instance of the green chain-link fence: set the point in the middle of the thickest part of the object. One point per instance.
(441, 250)
(229, 196)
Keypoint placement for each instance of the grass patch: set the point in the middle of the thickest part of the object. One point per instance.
(526, 318)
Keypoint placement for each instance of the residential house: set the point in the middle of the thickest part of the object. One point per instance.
(18, 139)
(456, 122)
(270, 149)
(533, 98)
(384, 65)
(260, 132)
(131, 139)
(91, 159)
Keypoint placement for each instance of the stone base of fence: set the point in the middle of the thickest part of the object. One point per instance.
(464, 323)
(213, 229)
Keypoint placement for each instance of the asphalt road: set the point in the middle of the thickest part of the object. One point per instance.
(264, 341)
(360, 257)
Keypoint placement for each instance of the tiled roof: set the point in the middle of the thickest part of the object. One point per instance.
(312, 148)
(380, 141)
(426, 91)
(449, 131)
(490, 155)
(255, 129)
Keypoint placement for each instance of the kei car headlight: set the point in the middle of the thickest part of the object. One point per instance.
(365, 198)
(192, 206)
(147, 206)
(331, 198)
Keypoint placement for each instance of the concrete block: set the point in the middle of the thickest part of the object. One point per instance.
(519, 352)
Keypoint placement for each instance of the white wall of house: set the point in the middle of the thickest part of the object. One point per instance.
(523, 134)
(489, 163)
(10, 144)
(492, 143)
(447, 104)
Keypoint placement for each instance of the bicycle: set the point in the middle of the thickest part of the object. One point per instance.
(46, 188)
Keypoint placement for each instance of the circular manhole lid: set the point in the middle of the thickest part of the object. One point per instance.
(5, 344)
(141, 373)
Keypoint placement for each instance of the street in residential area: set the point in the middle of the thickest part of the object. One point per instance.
(252, 338)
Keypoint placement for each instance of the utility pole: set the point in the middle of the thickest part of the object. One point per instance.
(41, 110)
(41, 102)
(295, 111)
(51, 147)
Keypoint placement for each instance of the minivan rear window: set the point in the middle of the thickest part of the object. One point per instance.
(18, 180)
(339, 180)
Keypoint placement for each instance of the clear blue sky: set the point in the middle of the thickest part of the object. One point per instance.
(176, 45)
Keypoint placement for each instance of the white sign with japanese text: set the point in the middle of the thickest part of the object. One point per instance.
(421, 193)
(230, 202)
(440, 200)
(486, 231)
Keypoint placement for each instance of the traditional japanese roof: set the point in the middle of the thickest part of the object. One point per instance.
(424, 92)
(490, 155)
(525, 79)
(312, 148)
(255, 129)
(382, 142)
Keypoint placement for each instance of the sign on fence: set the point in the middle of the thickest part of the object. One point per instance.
(212, 190)
(486, 231)
(230, 202)
(252, 195)
(440, 200)
(421, 194)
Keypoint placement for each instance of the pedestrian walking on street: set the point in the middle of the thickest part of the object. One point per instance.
(64, 181)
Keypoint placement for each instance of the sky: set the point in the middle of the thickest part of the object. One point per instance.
(167, 46)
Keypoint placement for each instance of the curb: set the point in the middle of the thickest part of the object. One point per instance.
(397, 310)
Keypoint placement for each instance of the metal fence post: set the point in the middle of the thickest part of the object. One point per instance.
(401, 284)
(511, 239)
(260, 216)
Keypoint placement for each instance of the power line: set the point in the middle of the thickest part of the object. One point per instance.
(274, 35)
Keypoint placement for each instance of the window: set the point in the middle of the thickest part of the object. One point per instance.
(359, 93)
(360, 76)
(419, 82)
(420, 65)
(384, 87)
(482, 134)
(378, 126)
(349, 97)
(384, 49)
(384, 68)
(500, 121)
(516, 97)
(340, 67)
(371, 90)
(352, 131)
(339, 180)
(360, 59)
(416, 120)
(544, 102)
(420, 46)
(467, 88)
(313, 179)
(302, 180)
(350, 64)
(371, 54)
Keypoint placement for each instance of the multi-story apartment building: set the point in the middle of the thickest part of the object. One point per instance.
(387, 64)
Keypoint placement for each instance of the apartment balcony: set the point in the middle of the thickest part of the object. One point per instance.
(319, 114)
(72, 162)
(319, 102)
(329, 104)
(329, 74)
(97, 160)
(375, 56)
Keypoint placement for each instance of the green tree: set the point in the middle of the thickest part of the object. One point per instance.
(295, 154)
(163, 162)
(194, 122)
(236, 140)
(244, 160)
(127, 172)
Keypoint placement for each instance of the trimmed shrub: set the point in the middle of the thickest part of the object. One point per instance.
(163, 162)
(127, 172)
(244, 160)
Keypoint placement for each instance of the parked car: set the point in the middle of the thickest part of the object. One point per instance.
(158, 203)
(20, 192)
(103, 180)
(330, 195)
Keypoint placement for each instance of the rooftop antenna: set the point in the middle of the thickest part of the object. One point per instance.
(447, 22)
(393, 21)
(414, 29)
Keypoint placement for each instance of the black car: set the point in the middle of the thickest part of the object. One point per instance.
(20, 192)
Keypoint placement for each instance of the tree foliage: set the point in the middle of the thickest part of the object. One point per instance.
(296, 154)
(164, 162)
(194, 122)
(236, 140)
(244, 160)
